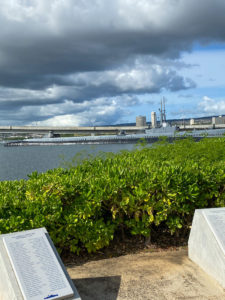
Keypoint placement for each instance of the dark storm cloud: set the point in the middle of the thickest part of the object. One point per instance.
(87, 49)
(38, 44)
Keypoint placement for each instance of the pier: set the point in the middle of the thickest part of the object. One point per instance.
(70, 130)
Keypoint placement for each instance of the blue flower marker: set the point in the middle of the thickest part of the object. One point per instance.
(51, 296)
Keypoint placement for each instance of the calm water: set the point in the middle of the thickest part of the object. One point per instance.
(18, 162)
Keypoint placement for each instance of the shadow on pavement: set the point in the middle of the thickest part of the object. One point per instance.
(98, 288)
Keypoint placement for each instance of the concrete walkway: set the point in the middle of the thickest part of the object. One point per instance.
(154, 276)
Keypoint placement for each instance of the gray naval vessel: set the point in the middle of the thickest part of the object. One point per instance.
(150, 136)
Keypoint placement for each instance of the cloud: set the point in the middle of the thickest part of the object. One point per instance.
(80, 88)
(185, 96)
(54, 52)
(101, 111)
(210, 106)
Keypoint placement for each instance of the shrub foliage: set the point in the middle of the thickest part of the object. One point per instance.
(84, 206)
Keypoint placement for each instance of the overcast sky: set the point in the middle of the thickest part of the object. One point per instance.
(96, 62)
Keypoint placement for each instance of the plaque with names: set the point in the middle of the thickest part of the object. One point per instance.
(216, 220)
(37, 269)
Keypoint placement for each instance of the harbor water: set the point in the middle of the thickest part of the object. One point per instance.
(18, 162)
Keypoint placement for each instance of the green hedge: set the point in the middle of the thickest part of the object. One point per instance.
(86, 205)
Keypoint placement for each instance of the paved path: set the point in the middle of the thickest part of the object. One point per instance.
(165, 275)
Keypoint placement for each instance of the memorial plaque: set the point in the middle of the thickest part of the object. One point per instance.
(37, 269)
(216, 220)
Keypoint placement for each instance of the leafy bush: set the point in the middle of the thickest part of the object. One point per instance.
(84, 206)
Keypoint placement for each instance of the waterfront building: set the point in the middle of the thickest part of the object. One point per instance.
(153, 119)
(140, 121)
(218, 120)
(192, 122)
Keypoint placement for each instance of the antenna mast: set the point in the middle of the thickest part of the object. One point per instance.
(164, 111)
(161, 114)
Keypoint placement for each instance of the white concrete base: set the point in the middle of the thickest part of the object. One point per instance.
(206, 245)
